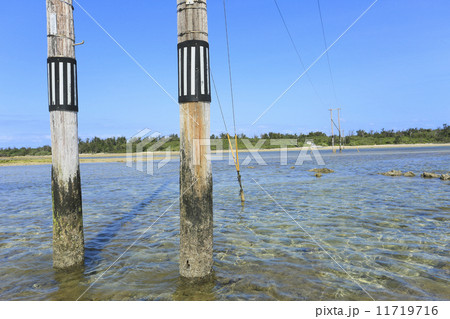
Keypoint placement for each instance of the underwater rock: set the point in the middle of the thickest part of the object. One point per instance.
(318, 174)
(445, 177)
(430, 175)
(409, 174)
(321, 170)
(292, 167)
(392, 173)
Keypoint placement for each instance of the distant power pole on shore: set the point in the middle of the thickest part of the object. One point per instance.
(338, 127)
(332, 132)
(68, 238)
(340, 135)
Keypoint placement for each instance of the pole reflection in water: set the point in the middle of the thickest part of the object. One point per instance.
(70, 284)
(196, 289)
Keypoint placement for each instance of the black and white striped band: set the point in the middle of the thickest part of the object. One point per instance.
(193, 72)
(62, 84)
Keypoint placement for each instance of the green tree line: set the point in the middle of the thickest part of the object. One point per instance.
(360, 137)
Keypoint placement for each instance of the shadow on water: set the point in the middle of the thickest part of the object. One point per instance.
(196, 289)
(101, 240)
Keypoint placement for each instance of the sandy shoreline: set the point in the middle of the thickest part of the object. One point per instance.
(121, 157)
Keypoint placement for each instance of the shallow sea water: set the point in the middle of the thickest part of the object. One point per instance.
(389, 234)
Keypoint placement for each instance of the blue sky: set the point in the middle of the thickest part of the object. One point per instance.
(391, 70)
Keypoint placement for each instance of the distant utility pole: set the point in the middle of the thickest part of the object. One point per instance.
(194, 96)
(338, 127)
(339, 124)
(332, 132)
(68, 238)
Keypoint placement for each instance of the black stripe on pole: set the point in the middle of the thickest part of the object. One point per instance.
(61, 102)
(185, 71)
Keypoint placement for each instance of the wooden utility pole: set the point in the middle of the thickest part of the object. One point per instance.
(332, 131)
(339, 128)
(194, 96)
(68, 238)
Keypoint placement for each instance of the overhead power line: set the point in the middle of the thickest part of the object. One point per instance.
(328, 56)
(297, 51)
(314, 63)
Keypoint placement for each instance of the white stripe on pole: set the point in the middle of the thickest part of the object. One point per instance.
(53, 84)
(49, 84)
(192, 70)
(207, 70)
(61, 83)
(185, 70)
(202, 70)
(75, 85)
(69, 83)
(179, 72)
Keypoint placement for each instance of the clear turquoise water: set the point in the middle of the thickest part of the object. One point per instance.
(390, 234)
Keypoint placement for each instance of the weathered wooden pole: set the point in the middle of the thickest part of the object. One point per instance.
(194, 96)
(68, 239)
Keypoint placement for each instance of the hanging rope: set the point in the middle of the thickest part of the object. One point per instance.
(229, 65)
(235, 155)
(223, 119)
(218, 101)
(326, 46)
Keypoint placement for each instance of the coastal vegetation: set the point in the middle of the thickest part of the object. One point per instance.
(360, 137)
